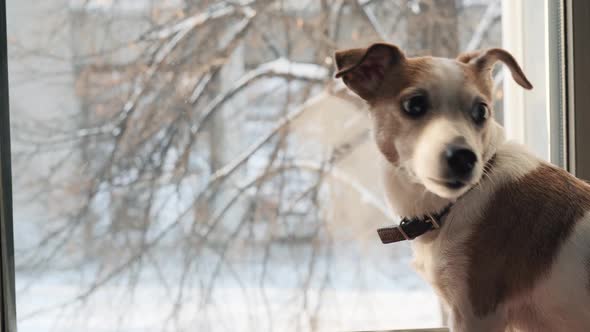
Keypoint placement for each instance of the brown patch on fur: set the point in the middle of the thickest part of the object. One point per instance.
(481, 64)
(379, 74)
(522, 230)
(388, 119)
(363, 70)
(384, 123)
(483, 83)
(414, 70)
(382, 70)
(491, 56)
(468, 56)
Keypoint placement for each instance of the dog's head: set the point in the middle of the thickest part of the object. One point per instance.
(432, 116)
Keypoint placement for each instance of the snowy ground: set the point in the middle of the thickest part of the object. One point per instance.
(341, 310)
(348, 292)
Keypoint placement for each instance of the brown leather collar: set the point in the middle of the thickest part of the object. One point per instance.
(411, 228)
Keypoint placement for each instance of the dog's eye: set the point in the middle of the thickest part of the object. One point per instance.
(480, 113)
(416, 105)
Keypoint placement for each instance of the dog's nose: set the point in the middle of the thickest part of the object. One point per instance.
(461, 160)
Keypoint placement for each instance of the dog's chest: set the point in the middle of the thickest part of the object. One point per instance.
(441, 260)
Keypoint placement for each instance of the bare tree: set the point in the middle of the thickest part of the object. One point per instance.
(180, 161)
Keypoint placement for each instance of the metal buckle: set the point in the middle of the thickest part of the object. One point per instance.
(433, 221)
(401, 230)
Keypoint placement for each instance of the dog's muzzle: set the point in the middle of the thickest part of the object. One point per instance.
(460, 164)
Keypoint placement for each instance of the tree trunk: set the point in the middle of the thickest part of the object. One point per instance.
(432, 28)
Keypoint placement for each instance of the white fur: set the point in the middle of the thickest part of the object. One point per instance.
(565, 292)
(439, 255)
(448, 127)
(434, 139)
(448, 72)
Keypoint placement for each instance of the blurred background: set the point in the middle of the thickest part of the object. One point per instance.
(192, 165)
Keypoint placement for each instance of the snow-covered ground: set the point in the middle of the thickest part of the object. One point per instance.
(237, 309)
(351, 289)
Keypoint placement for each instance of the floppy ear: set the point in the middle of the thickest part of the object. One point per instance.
(485, 61)
(364, 69)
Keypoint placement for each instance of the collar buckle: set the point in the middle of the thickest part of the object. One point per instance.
(401, 229)
(435, 223)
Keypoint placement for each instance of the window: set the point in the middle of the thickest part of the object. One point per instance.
(536, 118)
(191, 165)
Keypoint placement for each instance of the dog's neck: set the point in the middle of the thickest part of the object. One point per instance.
(407, 198)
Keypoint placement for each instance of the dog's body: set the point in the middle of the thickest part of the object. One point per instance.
(513, 253)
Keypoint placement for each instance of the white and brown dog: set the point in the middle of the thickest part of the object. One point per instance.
(513, 250)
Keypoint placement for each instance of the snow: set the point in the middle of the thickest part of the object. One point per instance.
(350, 290)
(191, 22)
(134, 6)
(278, 67)
(282, 66)
(343, 310)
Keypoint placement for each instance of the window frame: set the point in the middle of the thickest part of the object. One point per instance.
(578, 85)
(522, 115)
(556, 76)
(7, 285)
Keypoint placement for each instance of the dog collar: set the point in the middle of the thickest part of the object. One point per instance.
(411, 228)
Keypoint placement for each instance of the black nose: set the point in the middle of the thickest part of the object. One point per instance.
(461, 160)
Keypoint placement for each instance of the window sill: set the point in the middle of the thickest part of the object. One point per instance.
(438, 329)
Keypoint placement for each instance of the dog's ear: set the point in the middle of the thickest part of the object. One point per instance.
(364, 69)
(484, 62)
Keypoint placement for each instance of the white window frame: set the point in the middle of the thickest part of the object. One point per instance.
(537, 118)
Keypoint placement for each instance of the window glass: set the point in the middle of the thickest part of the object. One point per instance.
(192, 165)
(528, 112)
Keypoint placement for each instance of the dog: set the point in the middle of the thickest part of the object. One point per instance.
(502, 236)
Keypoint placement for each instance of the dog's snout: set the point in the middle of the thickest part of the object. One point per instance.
(461, 160)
